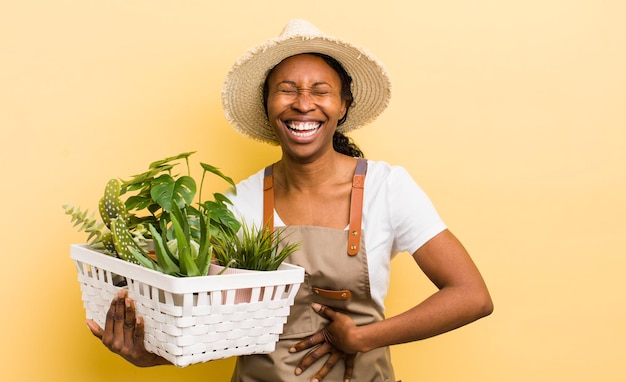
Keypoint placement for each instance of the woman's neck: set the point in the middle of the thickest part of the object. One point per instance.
(327, 170)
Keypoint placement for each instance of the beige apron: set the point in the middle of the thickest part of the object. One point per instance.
(334, 278)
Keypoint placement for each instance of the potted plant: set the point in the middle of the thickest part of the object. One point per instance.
(252, 249)
(159, 210)
(153, 240)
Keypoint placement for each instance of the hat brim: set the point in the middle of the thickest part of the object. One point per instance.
(242, 93)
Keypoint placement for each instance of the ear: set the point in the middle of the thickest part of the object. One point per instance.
(344, 109)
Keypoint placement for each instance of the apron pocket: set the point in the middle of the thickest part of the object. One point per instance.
(300, 321)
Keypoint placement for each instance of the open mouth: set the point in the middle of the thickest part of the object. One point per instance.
(303, 129)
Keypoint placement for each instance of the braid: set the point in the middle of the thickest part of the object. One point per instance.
(344, 145)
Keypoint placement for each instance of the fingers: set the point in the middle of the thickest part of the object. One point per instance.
(119, 311)
(96, 330)
(109, 324)
(318, 337)
(313, 356)
(335, 356)
(139, 331)
(308, 342)
(129, 322)
(349, 361)
(112, 337)
(324, 311)
(123, 332)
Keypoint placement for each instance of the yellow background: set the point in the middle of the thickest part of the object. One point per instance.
(511, 115)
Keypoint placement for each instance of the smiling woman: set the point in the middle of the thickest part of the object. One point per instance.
(341, 143)
(304, 105)
(303, 91)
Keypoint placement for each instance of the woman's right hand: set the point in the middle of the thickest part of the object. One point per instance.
(123, 333)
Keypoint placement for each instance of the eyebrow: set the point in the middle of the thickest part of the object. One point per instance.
(287, 82)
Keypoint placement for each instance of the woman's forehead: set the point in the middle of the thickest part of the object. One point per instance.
(303, 66)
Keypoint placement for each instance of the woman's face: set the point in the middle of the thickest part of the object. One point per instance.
(304, 104)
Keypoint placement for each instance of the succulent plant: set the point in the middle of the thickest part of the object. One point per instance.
(100, 237)
(252, 248)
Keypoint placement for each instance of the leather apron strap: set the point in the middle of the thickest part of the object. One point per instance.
(268, 198)
(356, 204)
(356, 207)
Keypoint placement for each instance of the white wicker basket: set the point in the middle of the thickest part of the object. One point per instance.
(192, 319)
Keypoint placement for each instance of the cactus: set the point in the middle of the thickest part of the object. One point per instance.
(115, 216)
(111, 206)
(123, 240)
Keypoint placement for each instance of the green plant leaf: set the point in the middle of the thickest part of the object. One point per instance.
(139, 201)
(180, 216)
(123, 240)
(99, 237)
(216, 171)
(143, 260)
(221, 216)
(221, 198)
(252, 248)
(166, 191)
(187, 265)
(160, 163)
(205, 250)
(183, 234)
(165, 259)
(110, 205)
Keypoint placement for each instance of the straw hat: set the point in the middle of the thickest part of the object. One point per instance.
(242, 93)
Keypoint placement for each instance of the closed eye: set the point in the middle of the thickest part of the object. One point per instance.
(320, 92)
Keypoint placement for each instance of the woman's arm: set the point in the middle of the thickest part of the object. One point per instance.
(123, 333)
(462, 298)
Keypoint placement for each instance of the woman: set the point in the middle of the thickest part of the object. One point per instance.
(351, 216)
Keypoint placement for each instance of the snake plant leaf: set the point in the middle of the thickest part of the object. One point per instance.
(193, 216)
(183, 221)
(166, 191)
(143, 260)
(205, 251)
(163, 255)
(163, 226)
(216, 171)
(187, 266)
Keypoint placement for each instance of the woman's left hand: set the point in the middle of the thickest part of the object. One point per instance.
(336, 339)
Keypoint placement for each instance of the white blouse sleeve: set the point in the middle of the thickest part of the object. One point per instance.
(413, 216)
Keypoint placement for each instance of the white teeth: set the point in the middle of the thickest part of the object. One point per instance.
(303, 129)
(303, 126)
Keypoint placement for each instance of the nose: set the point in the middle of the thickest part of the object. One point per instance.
(303, 102)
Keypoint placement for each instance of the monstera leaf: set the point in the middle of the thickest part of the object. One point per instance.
(167, 191)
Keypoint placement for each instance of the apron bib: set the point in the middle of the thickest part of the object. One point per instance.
(333, 278)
